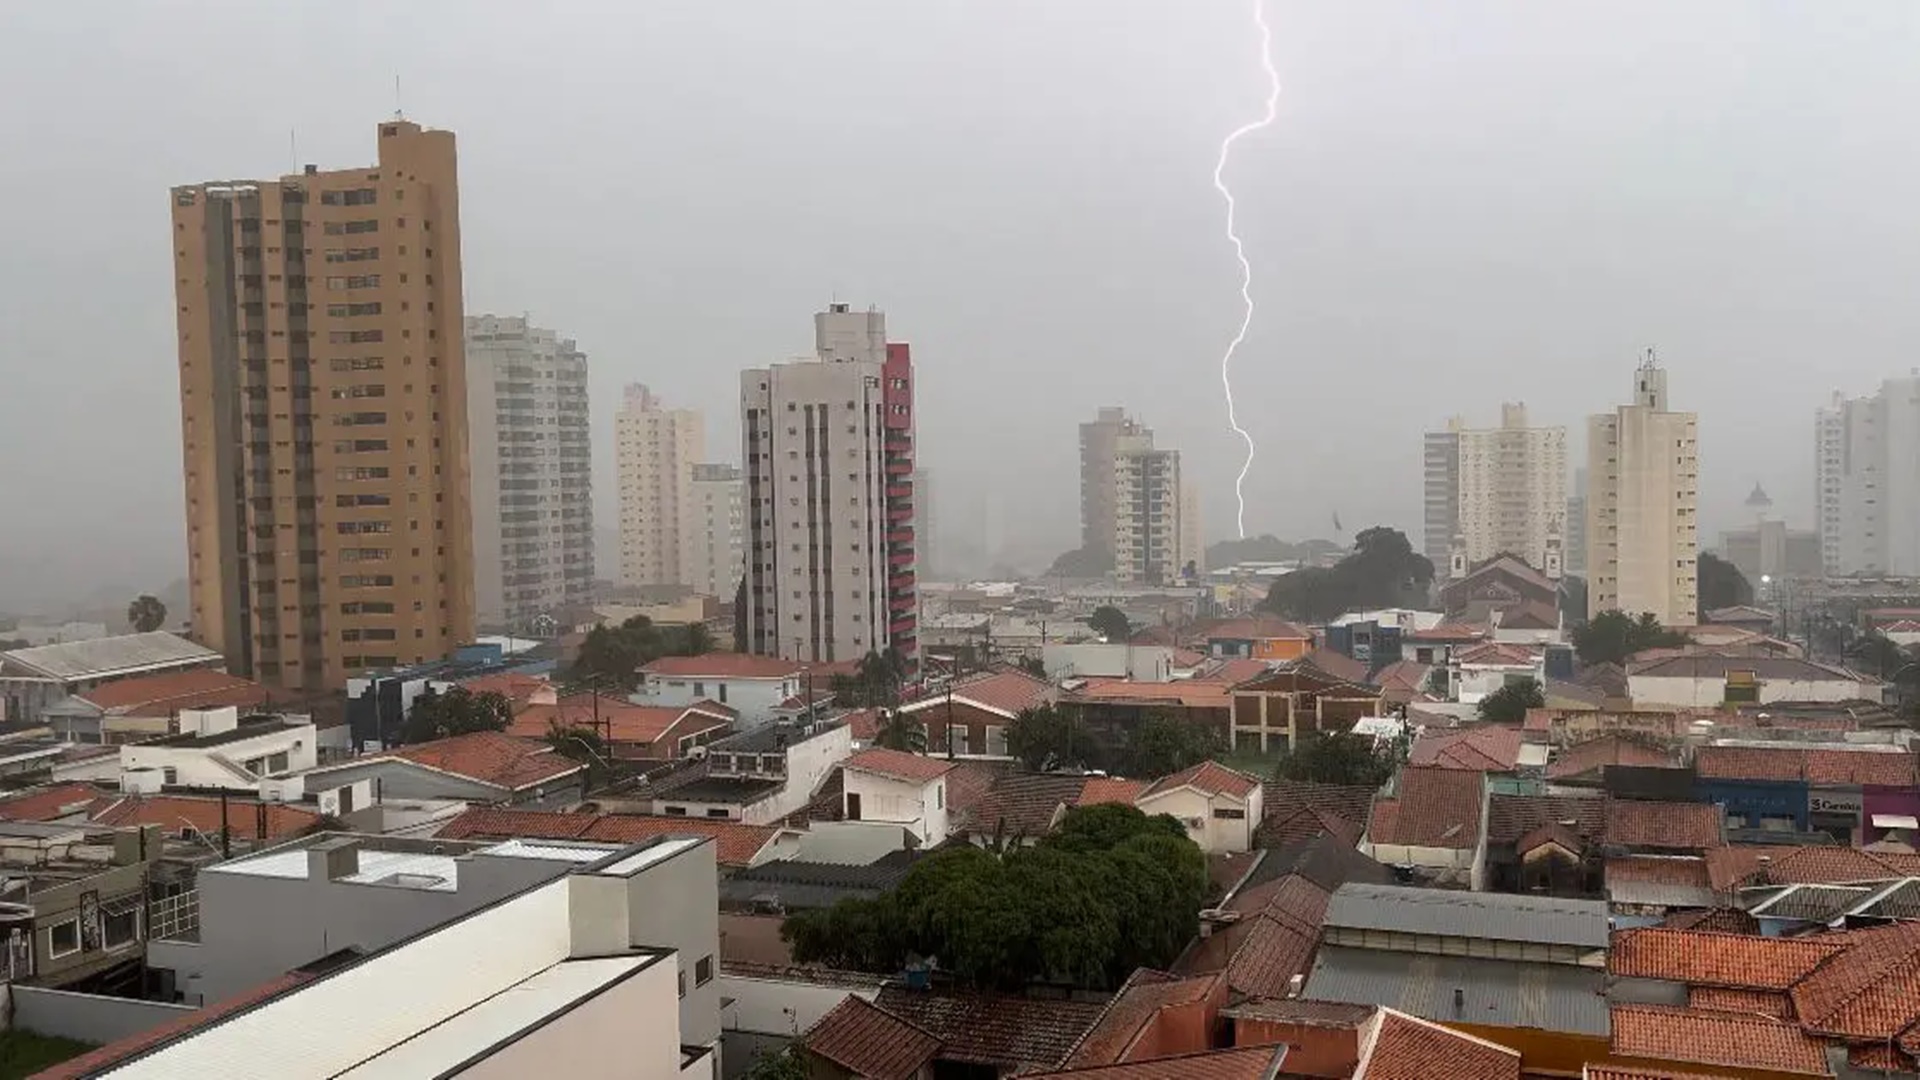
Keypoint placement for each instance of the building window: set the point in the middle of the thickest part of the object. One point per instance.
(716, 811)
(64, 938)
(682, 979)
(120, 927)
(676, 811)
(703, 970)
(1226, 813)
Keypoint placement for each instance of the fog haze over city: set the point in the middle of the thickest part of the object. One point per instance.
(1459, 205)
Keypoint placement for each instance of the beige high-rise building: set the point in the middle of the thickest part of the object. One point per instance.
(324, 414)
(1508, 487)
(531, 459)
(1099, 441)
(1643, 475)
(715, 526)
(1153, 536)
(656, 449)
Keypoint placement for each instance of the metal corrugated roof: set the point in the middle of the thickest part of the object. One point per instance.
(1500, 993)
(1494, 916)
(75, 661)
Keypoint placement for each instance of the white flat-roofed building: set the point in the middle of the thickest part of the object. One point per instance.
(218, 748)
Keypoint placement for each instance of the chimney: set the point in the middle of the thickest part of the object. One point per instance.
(333, 858)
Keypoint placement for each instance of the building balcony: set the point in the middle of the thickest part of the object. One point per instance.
(900, 559)
(899, 535)
(899, 468)
(899, 491)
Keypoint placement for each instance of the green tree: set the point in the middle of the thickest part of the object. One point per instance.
(1033, 666)
(875, 683)
(1722, 585)
(740, 616)
(1340, 757)
(1874, 653)
(146, 613)
(458, 711)
(1509, 704)
(1161, 745)
(1082, 563)
(901, 731)
(612, 656)
(1612, 637)
(1046, 737)
(583, 744)
(1110, 623)
(784, 1064)
(1383, 570)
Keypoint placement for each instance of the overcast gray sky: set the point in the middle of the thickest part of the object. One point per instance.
(1461, 203)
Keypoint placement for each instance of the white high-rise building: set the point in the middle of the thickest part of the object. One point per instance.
(1643, 475)
(530, 454)
(1499, 489)
(830, 519)
(656, 449)
(715, 525)
(1153, 536)
(1867, 481)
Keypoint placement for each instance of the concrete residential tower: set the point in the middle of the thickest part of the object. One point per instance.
(1867, 481)
(1500, 489)
(532, 482)
(1155, 512)
(830, 524)
(656, 449)
(323, 396)
(715, 527)
(1099, 442)
(1643, 467)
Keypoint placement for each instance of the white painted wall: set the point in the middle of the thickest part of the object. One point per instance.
(780, 1006)
(1712, 692)
(921, 808)
(628, 1030)
(202, 767)
(753, 699)
(1196, 811)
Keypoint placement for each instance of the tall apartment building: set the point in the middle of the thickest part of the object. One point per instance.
(716, 525)
(323, 395)
(530, 458)
(1154, 536)
(925, 524)
(1643, 475)
(830, 518)
(1867, 481)
(1576, 559)
(655, 450)
(1441, 520)
(1499, 489)
(1099, 442)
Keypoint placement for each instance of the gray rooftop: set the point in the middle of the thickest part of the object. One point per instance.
(1447, 913)
(1500, 993)
(127, 654)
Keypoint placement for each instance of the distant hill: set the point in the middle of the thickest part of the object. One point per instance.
(1268, 548)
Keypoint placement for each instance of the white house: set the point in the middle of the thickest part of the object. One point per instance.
(898, 788)
(1220, 807)
(214, 749)
(756, 777)
(1712, 681)
(752, 686)
(1478, 671)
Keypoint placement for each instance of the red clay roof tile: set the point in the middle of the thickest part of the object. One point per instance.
(1241, 1063)
(491, 758)
(1483, 749)
(868, 1041)
(162, 695)
(1709, 1037)
(173, 812)
(1137, 1004)
(1434, 808)
(898, 765)
(1665, 825)
(1209, 777)
(1724, 999)
(48, 803)
(1705, 958)
(1402, 1047)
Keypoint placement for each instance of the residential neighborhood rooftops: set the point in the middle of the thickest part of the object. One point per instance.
(491, 758)
(1003, 692)
(162, 694)
(103, 658)
(1208, 777)
(869, 1041)
(898, 765)
(1487, 748)
(724, 665)
(1434, 807)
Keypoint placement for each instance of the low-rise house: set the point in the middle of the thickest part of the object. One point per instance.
(1818, 787)
(1220, 807)
(144, 706)
(482, 767)
(1435, 645)
(897, 788)
(1430, 824)
(977, 709)
(736, 846)
(759, 776)
(859, 1040)
(1274, 710)
(32, 679)
(1154, 1015)
(1484, 669)
(1560, 845)
(219, 748)
(752, 686)
(629, 732)
(73, 900)
(1711, 681)
(1260, 637)
(1487, 748)
(1113, 708)
(992, 1034)
(1022, 807)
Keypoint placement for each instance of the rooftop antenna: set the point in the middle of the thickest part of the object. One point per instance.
(293, 151)
(399, 113)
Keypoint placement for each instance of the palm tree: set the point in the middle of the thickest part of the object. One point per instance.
(899, 731)
(147, 613)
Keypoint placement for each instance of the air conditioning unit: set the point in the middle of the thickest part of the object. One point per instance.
(1194, 824)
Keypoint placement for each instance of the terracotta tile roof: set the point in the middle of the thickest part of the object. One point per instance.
(1510, 817)
(1707, 1037)
(868, 1041)
(1004, 692)
(1670, 826)
(1403, 680)
(491, 758)
(517, 687)
(174, 812)
(1730, 867)
(1815, 766)
(1281, 941)
(1824, 866)
(1499, 654)
(1350, 801)
(1305, 823)
(1657, 870)
(1137, 1003)
(1233, 672)
(970, 782)
(1402, 1047)
(1186, 693)
(898, 765)
(1701, 958)
(1434, 808)
(724, 665)
(1259, 628)
(1598, 753)
(627, 722)
(1241, 1063)
(1483, 749)
(1209, 777)
(48, 803)
(993, 1029)
(1872, 991)
(735, 844)
(1761, 1002)
(1111, 789)
(1885, 1059)
(98, 1061)
(1451, 631)
(863, 724)
(1339, 665)
(1622, 1072)
(1024, 804)
(161, 695)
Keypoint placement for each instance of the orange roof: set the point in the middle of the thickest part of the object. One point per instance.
(1453, 631)
(48, 803)
(1138, 1002)
(735, 844)
(1434, 808)
(1710, 1037)
(1005, 692)
(1669, 825)
(1240, 1063)
(1209, 777)
(724, 665)
(1482, 749)
(1871, 992)
(162, 695)
(1742, 1001)
(491, 758)
(868, 1041)
(1623, 1072)
(627, 722)
(1598, 753)
(1258, 628)
(175, 812)
(1110, 789)
(898, 764)
(1189, 693)
(1709, 958)
(1402, 1047)
(1814, 765)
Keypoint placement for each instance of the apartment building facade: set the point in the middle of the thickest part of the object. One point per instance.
(1867, 481)
(1152, 532)
(656, 449)
(1099, 443)
(1643, 475)
(530, 454)
(828, 458)
(323, 393)
(715, 523)
(1501, 489)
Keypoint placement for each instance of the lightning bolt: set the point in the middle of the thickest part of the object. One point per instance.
(1240, 251)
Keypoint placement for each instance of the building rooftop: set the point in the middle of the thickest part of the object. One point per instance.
(869, 1041)
(1208, 777)
(621, 721)
(736, 844)
(1240, 1063)
(489, 757)
(1396, 1046)
(400, 864)
(1482, 749)
(1717, 1038)
(162, 694)
(1433, 807)
(898, 765)
(101, 658)
(1830, 764)
(723, 665)
(994, 1029)
(1462, 989)
(249, 727)
(1489, 916)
